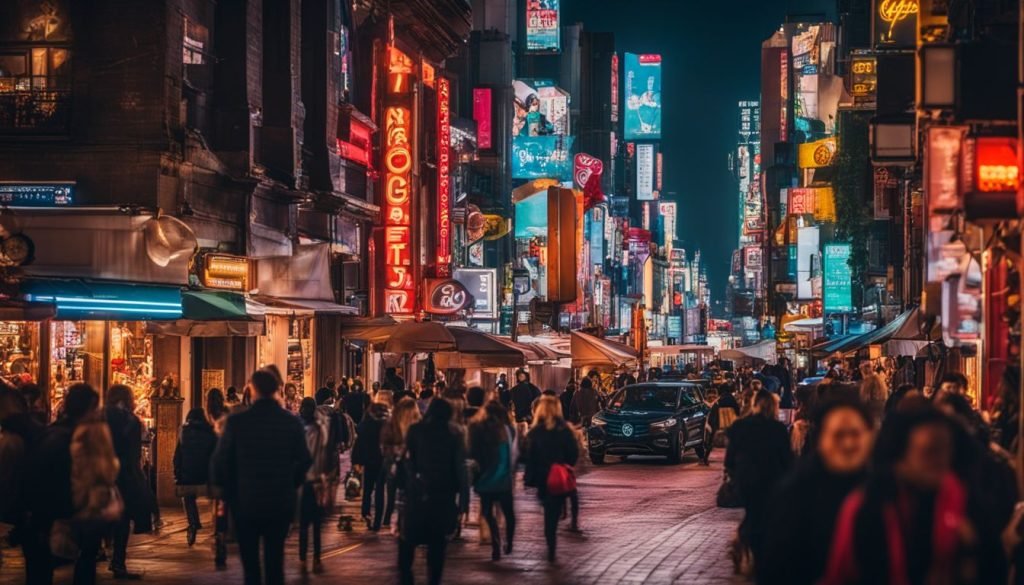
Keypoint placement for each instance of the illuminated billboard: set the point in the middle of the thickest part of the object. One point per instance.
(895, 24)
(838, 279)
(542, 157)
(444, 169)
(642, 117)
(543, 26)
(645, 172)
(541, 108)
(532, 216)
(807, 261)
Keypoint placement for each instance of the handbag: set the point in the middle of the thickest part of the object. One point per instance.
(728, 495)
(561, 480)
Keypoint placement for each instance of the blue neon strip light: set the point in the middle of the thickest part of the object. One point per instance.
(127, 301)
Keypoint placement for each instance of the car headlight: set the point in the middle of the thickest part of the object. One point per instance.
(664, 424)
(597, 421)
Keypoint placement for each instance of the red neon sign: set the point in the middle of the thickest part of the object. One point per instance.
(997, 169)
(482, 116)
(444, 194)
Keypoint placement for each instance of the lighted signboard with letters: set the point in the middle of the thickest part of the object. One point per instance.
(838, 279)
(483, 117)
(482, 284)
(542, 157)
(444, 194)
(643, 97)
(895, 24)
(543, 26)
(645, 172)
(399, 282)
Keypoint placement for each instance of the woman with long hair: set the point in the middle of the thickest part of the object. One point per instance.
(551, 454)
(492, 446)
(196, 443)
(312, 496)
(218, 406)
(392, 439)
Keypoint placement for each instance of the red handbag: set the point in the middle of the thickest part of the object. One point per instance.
(561, 480)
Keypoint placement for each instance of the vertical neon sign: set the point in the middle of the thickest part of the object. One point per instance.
(399, 282)
(444, 140)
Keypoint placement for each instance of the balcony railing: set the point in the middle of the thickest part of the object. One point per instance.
(35, 112)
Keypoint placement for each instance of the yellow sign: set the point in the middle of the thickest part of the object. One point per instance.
(226, 272)
(817, 154)
(893, 12)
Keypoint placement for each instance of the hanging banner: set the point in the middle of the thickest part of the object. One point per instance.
(818, 154)
(643, 97)
(645, 172)
(942, 167)
(444, 169)
(543, 26)
(482, 104)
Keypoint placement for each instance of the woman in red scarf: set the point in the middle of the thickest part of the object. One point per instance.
(909, 525)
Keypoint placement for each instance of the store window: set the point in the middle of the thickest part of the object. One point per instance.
(288, 344)
(76, 355)
(19, 359)
(35, 89)
(131, 363)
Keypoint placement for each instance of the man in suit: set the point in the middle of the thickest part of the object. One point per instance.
(260, 462)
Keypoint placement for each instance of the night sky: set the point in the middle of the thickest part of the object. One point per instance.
(711, 61)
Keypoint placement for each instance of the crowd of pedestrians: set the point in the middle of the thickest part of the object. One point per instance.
(858, 484)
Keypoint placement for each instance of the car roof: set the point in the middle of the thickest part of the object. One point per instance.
(669, 384)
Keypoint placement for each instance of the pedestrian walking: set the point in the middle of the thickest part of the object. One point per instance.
(20, 432)
(566, 398)
(292, 398)
(314, 489)
(192, 466)
(392, 438)
(433, 471)
(551, 454)
(260, 462)
(392, 381)
(476, 396)
(723, 413)
(910, 521)
(126, 431)
(803, 512)
(586, 403)
(492, 446)
(217, 410)
(757, 457)
(523, 395)
(368, 456)
(356, 402)
(504, 392)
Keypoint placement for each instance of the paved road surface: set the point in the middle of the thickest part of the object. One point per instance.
(644, 521)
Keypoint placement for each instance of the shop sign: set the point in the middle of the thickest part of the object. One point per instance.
(543, 26)
(226, 272)
(399, 284)
(482, 116)
(584, 167)
(784, 95)
(542, 157)
(838, 278)
(482, 284)
(886, 185)
(864, 81)
(444, 194)
(752, 258)
(895, 24)
(37, 194)
(942, 167)
(675, 327)
(615, 88)
(801, 201)
(818, 154)
(995, 162)
(645, 172)
(446, 296)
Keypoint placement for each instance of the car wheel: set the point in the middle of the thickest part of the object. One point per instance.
(678, 447)
(597, 457)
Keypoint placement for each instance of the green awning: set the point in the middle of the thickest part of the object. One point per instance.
(214, 313)
(209, 305)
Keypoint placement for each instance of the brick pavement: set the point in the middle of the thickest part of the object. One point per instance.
(644, 522)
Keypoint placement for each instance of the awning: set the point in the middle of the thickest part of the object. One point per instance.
(279, 306)
(854, 343)
(804, 325)
(588, 350)
(419, 337)
(87, 300)
(913, 336)
(373, 330)
(212, 313)
(762, 350)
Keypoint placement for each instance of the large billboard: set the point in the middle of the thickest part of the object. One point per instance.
(542, 157)
(543, 26)
(541, 108)
(642, 118)
(838, 287)
(807, 281)
(645, 172)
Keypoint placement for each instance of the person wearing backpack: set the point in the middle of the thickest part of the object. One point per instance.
(492, 443)
(339, 435)
(551, 454)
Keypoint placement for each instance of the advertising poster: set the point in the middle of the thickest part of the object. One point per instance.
(645, 172)
(543, 26)
(807, 258)
(818, 154)
(667, 210)
(643, 97)
(532, 216)
(837, 279)
(886, 190)
(540, 157)
(806, 60)
(541, 108)
(615, 88)
(482, 285)
(482, 117)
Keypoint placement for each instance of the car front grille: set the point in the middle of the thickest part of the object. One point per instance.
(639, 429)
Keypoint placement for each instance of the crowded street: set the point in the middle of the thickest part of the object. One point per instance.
(643, 521)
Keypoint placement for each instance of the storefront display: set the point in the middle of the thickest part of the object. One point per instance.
(288, 344)
(76, 355)
(19, 359)
(131, 362)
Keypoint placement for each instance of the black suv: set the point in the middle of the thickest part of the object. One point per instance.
(651, 418)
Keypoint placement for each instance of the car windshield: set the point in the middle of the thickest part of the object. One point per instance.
(646, 398)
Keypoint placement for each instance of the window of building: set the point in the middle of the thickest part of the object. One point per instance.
(195, 43)
(35, 88)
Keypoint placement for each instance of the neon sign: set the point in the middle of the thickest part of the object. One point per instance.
(896, 23)
(894, 11)
(444, 139)
(997, 165)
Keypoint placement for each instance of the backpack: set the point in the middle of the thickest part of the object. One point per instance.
(499, 477)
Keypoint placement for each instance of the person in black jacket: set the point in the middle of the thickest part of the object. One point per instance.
(126, 431)
(434, 474)
(356, 402)
(49, 476)
(549, 442)
(491, 441)
(758, 456)
(260, 462)
(524, 393)
(192, 466)
(803, 513)
(367, 454)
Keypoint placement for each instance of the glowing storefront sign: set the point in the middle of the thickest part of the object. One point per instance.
(399, 282)
(996, 164)
(444, 137)
(896, 23)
